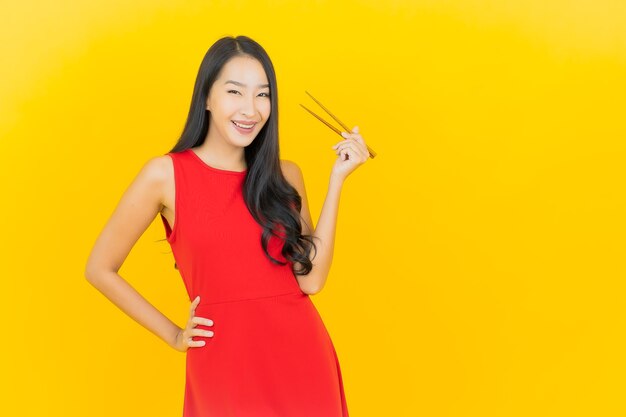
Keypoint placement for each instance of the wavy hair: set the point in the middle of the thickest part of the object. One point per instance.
(271, 200)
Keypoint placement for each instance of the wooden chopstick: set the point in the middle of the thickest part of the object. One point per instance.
(372, 154)
(328, 111)
(324, 121)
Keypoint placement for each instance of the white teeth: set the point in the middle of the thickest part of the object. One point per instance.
(243, 126)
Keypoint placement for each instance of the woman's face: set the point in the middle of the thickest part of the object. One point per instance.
(239, 102)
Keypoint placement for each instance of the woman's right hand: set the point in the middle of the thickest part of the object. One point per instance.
(184, 337)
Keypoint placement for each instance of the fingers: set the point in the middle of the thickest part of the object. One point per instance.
(350, 147)
(356, 144)
(202, 332)
(354, 136)
(351, 140)
(202, 320)
(194, 304)
(195, 343)
(191, 330)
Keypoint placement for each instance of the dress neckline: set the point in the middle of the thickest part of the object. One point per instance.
(223, 171)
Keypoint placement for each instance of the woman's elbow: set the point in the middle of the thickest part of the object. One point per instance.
(94, 272)
(310, 288)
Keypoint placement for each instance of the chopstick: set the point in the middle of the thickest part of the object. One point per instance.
(323, 121)
(370, 150)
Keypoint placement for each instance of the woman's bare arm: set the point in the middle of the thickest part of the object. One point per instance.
(324, 232)
(356, 153)
(136, 210)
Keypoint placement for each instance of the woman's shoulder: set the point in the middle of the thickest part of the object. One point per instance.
(292, 173)
(289, 167)
(160, 167)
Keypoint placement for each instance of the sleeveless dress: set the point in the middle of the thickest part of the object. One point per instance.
(271, 355)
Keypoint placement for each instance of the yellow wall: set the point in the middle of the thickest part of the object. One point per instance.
(479, 262)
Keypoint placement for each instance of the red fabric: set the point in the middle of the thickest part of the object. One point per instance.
(271, 355)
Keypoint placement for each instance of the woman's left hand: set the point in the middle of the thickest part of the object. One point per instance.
(352, 152)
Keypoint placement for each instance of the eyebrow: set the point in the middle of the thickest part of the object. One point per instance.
(243, 85)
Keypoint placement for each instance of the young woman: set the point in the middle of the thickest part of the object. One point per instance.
(237, 220)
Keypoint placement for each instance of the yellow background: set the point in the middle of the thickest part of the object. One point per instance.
(479, 264)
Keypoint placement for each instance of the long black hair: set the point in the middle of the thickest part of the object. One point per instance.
(271, 200)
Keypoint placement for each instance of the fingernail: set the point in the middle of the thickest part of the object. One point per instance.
(344, 134)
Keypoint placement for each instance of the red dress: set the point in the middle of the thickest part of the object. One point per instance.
(271, 355)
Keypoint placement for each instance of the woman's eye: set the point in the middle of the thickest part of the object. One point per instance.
(237, 92)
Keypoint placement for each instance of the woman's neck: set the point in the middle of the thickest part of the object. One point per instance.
(223, 157)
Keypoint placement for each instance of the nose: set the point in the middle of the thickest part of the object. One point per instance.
(248, 107)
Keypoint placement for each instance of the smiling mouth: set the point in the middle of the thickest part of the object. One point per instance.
(243, 126)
